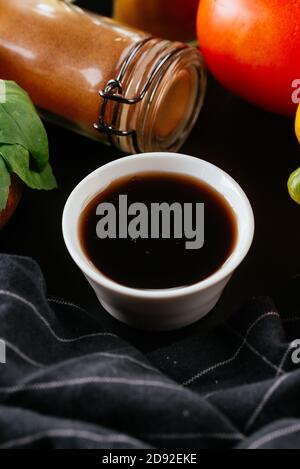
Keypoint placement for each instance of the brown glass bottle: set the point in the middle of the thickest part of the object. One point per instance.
(152, 89)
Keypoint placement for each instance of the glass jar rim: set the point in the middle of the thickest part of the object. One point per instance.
(174, 102)
(133, 100)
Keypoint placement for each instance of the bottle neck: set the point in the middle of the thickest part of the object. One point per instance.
(162, 85)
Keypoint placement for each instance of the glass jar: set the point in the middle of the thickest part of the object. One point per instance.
(151, 90)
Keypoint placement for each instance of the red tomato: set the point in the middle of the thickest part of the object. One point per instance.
(253, 48)
(15, 193)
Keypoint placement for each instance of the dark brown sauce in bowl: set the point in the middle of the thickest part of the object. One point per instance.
(159, 263)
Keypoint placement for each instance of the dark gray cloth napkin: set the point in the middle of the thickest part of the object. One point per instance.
(68, 384)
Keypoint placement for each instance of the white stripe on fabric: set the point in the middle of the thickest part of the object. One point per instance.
(234, 357)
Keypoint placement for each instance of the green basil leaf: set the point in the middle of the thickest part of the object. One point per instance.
(18, 161)
(4, 184)
(20, 124)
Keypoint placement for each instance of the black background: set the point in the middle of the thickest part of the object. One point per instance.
(256, 148)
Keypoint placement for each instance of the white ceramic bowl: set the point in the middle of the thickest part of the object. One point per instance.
(158, 310)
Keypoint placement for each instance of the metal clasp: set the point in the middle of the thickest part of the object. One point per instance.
(114, 92)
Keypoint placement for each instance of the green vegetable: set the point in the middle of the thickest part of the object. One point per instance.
(17, 160)
(24, 146)
(294, 186)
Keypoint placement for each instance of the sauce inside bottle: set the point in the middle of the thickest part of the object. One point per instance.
(64, 56)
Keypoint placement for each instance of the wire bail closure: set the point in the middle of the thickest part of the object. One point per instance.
(114, 92)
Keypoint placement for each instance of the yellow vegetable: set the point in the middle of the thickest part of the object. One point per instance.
(294, 180)
(169, 19)
(297, 126)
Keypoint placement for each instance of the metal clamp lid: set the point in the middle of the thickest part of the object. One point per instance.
(114, 92)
